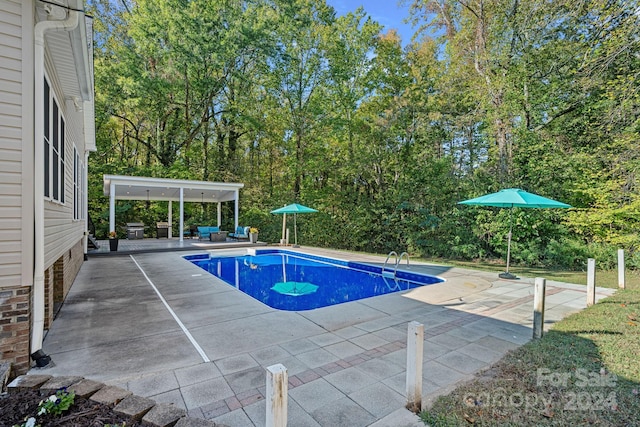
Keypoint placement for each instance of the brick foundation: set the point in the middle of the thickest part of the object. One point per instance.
(63, 272)
(48, 297)
(16, 307)
(15, 325)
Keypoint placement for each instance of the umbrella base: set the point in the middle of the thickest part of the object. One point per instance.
(507, 275)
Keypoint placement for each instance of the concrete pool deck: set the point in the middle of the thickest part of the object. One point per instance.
(161, 327)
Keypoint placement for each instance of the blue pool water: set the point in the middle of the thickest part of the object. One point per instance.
(292, 281)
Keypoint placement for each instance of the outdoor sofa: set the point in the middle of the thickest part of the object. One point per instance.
(213, 234)
(204, 233)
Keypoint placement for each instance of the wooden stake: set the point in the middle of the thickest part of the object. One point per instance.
(538, 307)
(415, 345)
(621, 281)
(591, 282)
(277, 389)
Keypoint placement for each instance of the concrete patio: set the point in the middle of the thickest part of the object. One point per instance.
(159, 326)
(150, 244)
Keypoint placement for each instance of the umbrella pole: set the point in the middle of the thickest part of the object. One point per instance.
(295, 230)
(509, 238)
(284, 225)
(506, 274)
(284, 269)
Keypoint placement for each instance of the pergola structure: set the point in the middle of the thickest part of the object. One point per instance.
(119, 187)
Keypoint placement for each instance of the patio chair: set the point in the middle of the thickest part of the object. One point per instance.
(191, 232)
(240, 233)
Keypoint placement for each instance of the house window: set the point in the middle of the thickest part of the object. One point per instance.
(47, 139)
(78, 185)
(54, 141)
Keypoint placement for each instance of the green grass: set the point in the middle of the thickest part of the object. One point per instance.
(584, 371)
(604, 278)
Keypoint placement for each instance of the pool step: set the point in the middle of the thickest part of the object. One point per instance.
(389, 274)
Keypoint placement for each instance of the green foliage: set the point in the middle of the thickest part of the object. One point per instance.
(265, 222)
(573, 254)
(384, 138)
(57, 403)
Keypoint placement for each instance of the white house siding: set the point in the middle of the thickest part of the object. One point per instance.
(16, 189)
(62, 232)
(11, 152)
(63, 235)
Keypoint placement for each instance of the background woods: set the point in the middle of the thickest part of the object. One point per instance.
(383, 136)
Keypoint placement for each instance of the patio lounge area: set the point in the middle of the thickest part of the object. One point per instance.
(126, 246)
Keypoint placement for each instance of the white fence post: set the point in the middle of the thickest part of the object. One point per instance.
(621, 283)
(415, 344)
(591, 282)
(277, 389)
(538, 307)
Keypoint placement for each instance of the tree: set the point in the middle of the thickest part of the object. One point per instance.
(295, 79)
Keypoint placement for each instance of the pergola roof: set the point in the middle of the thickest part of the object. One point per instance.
(147, 188)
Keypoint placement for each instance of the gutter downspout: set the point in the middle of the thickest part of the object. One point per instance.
(37, 334)
(85, 203)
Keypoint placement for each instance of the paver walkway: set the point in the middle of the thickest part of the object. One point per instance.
(162, 328)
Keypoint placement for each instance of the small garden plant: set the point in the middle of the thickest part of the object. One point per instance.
(55, 404)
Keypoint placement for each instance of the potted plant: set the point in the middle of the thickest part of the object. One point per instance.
(253, 235)
(113, 241)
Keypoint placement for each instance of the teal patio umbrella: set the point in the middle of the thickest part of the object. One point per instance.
(295, 289)
(513, 198)
(294, 209)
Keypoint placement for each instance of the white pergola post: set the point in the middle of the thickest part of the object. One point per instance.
(181, 214)
(112, 207)
(236, 210)
(219, 213)
(170, 217)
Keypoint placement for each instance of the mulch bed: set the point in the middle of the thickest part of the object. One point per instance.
(16, 407)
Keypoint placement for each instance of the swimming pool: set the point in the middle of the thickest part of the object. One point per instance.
(295, 281)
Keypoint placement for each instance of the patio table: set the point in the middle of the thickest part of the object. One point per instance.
(219, 236)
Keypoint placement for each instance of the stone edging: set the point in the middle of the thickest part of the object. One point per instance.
(122, 401)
